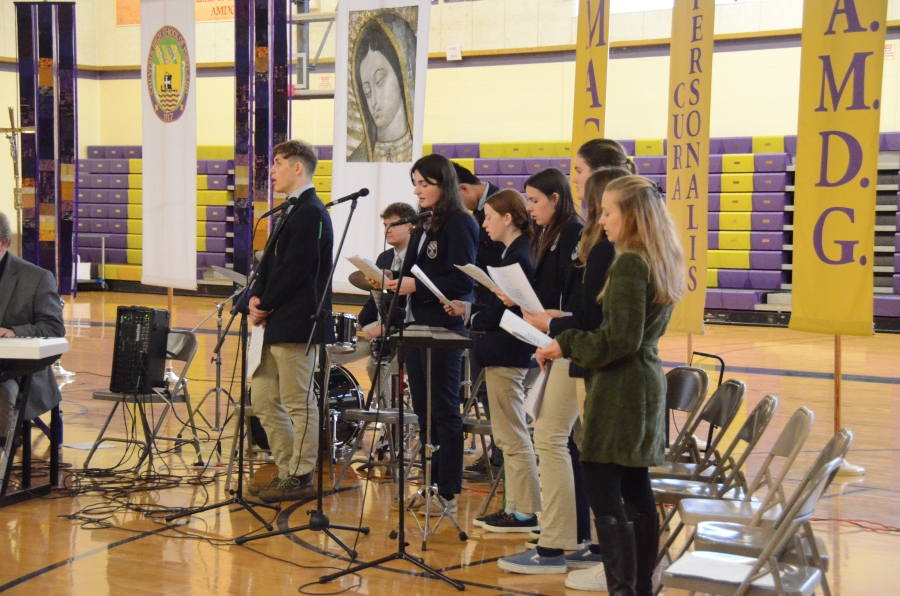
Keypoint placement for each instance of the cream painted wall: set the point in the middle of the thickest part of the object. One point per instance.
(9, 96)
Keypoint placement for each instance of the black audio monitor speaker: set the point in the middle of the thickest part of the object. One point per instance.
(139, 359)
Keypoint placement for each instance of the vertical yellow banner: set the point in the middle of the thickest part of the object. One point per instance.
(690, 88)
(591, 62)
(841, 68)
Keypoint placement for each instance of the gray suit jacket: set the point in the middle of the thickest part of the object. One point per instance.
(30, 306)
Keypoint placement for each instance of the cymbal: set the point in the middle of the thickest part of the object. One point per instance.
(237, 278)
(358, 279)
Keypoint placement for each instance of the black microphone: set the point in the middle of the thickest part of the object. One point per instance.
(362, 192)
(413, 219)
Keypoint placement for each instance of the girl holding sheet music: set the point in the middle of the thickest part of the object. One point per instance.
(558, 228)
(505, 361)
(624, 418)
(450, 238)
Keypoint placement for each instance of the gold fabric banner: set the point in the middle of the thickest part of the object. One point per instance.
(841, 68)
(128, 12)
(690, 88)
(591, 62)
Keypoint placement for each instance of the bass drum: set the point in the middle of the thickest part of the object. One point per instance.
(344, 393)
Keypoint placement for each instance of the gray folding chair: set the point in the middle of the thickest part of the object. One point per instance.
(670, 491)
(764, 575)
(181, 346)
(743, 538)
(692, 511)
(718, 413)
(686, 389)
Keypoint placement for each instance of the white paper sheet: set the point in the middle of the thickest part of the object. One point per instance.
(254, 351)
(512, 280)
(518, 328)
(535, 395)
(369, 268)
(476, 273)
(420, 275)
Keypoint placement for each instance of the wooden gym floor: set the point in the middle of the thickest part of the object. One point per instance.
(113, 547)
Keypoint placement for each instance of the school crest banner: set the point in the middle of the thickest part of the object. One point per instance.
(690, 88)
(591, 64)
(169, 119)
(379, 113)
(841, 65)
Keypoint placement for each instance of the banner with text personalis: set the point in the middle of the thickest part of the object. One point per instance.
(591, 63)
(169, 119)
(690, 88)
(841, 66)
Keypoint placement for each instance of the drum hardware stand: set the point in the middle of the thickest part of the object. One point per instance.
(216, 359)
(318, 520)
(401, 553)
(240, 307)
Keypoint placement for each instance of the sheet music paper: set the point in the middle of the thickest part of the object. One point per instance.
(512, 280)
(420, 275)
(535, 396)
(369, 268)
(254, 351)
(518, 328)
(475, 272)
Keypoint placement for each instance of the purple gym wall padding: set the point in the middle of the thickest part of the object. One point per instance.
(888, 306)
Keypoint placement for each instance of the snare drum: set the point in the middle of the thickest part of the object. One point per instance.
(344, 332)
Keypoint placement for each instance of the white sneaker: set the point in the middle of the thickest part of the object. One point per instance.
(587, 580)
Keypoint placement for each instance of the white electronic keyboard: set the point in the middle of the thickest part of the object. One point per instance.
(32, 348)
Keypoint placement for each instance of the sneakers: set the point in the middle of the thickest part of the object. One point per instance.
(506, 523)
(588, 580)
(480, 521)
(531, 563)
(583, 559)
(535, 534)
(290, 489)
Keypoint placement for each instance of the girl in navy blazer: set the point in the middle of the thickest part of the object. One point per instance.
(505, 361)
(450, 238)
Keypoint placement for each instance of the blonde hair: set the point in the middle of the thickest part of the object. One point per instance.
(649, 231)
(593, 193)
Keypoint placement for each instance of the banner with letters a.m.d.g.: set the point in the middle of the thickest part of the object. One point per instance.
(690, 87)
(837, 165)
(169, 118)
(591, 64)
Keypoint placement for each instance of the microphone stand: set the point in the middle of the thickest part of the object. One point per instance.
(240, 306)
(318, 520)
(401, 553)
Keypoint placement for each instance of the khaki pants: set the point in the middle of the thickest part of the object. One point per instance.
(506, 394)
(557, 416)
(284, 401)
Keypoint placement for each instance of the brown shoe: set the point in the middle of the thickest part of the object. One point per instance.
(292, 489)
(254, 489)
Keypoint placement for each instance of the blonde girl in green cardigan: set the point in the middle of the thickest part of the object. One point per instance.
(624, 418)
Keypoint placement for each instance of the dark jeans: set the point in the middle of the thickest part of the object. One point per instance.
(608, 485)
(446, 420)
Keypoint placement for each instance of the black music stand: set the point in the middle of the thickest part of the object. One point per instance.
(10, 369)
(401, 553)
(318, 520)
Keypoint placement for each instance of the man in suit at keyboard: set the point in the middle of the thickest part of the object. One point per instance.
(29, 307)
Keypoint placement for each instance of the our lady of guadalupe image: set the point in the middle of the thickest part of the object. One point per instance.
(382, 83)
